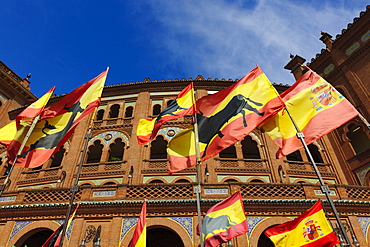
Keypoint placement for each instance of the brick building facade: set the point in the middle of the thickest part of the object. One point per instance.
(117, 173)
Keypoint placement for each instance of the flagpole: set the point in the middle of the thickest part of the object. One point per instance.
(74, 188)
(197, 190)
(364, 121)
(324, 188)
(33, 125)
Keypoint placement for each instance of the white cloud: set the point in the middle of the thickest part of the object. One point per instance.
(219, 38)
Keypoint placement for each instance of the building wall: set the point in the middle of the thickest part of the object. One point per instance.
(274, 191)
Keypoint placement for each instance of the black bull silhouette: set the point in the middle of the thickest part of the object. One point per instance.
(218, 224)
(210, 126)
(52, 140)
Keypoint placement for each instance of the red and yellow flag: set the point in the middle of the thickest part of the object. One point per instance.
(181, 106)
(9, 131)
(224, 221)
(316, 107)
(310, 229)
(56, 124)
(55, 238)
(225, 118)
(139, 237)
(35, 108)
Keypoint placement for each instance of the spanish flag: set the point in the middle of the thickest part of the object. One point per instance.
(9, 131)
(225, 118)
(181, 106)
(139, 237)
(56, 124)
(310, 229)
(224, 221)
(316, 107)
(35, 108)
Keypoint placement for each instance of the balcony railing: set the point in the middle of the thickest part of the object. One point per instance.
(184, 191)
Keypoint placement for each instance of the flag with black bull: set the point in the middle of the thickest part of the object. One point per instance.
(56, 124)
(183, 105)
(225, 118)
(224, 221)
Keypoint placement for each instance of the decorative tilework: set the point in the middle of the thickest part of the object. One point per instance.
(3, 98)
(114, 135)
(69, 230)
(186, 223)
(366, 36)
(127, 224)
(169, 179)
(220, 191)
(164, 132)
(7, 199)
(320, 193)
(19, 225)
(362, 174)
(365, 225)
(100, 181)
(254, 221)
(329, 69)
(104, 193)
(352, 48)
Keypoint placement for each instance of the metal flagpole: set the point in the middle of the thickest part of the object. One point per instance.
(365, 121)
(197, 189)
(74, 188)
(324, 188)
(35, 120)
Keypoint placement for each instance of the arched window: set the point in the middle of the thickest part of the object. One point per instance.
(156, 110)
(95, 152)
(116, 150)
(182, 181)
(250, 148)
(58, 157)
(99, 115)
(295, 156)
(128, 112)
(230, 180)
(256, 181)
(229, 152)
(109, 184)
(156, 181)
(158, 148)
(358, 138)
(114, 110)
(315, 153)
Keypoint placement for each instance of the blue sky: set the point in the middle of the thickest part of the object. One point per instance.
(66, 43)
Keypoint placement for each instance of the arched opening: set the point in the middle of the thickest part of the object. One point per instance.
(256, 181)
(358, 138)
(114, 110)
(160, 236)
(314, 150)
(116, 150)
(230, 180)
(265, 241)
(156, 110)
(109, 184)
(129, 111)
(182, 181)
(95, 152)
(58, 157)
(99, 115)
(229, 152)
(156, 181)
(34, 238)
(250, 148)
(158, 149)
(295, 156)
